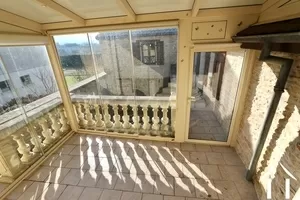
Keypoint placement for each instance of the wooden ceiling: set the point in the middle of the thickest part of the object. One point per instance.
(36, 15)
(48, 11)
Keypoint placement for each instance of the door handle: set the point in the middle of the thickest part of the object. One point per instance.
(192, 99)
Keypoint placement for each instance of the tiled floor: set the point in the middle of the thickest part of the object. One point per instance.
(101, 168)
(205, 126)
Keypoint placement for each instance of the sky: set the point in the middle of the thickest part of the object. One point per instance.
(74, 38)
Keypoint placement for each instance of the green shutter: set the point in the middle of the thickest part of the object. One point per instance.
(160, 52)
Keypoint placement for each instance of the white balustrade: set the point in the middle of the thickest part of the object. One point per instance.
(126, 123)
(88, 115)
(116, 121)
(108, 123)
(135, 118)
(173, 118)
(146, 119)
(23, 148)
(36, 142)
(117, 117)
(55, 125)
(98, 117)
(63, 120)
(155, 119)
(47, 132)
(82, 122)
(165, 119)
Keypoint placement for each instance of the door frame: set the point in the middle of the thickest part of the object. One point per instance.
(216, 47)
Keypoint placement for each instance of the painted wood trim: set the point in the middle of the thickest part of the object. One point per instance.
(61, 83)
(124, 5)
(20, 22)
(205, 14)
(22, 39)
(62, 10)
(195, 8)
(115, 27)
(245, 79)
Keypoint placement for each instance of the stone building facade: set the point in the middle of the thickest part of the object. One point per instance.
(126, 72)
(280, 158)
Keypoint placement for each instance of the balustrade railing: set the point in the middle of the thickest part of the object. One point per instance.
(153, 116)
(23, 143)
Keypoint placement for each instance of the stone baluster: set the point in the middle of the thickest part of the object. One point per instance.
(155, 119)
(146, 118)
(98, 117)
(165, 119)
(88, 115)
(173, 118)
(126, 123)
(23, 148)
(47, 132)
(82, 122)
(36, 142)
(108, 123)
(135, 118)
(117, 117)
(55, 125)
(63, 120)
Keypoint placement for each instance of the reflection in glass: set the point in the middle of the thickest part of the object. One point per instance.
(124, 71)
(214, 86)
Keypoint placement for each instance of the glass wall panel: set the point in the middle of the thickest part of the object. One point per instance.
(215, 82)
(134, 72)
(29, 101)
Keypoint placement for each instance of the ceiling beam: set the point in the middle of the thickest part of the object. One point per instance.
(196, 8)
(15, 20)
(124, 5)
(64, 11)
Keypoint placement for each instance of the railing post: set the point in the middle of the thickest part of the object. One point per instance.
(82, 122)
(98, 117)
(126, 123)
(108, 123)
(165, 120)
(55, 125)
(23, 148)
(63, 120)
(135, 118)
(47, 133)
(146, 118)
(89, 116)
(117, 117)
(155, 119)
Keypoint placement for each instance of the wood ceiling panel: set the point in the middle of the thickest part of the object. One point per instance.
(155, 6)
(32, 10)
(228, 3)
(7, 28)
(89, 9)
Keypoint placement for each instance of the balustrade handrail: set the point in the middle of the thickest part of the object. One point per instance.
(130, 100)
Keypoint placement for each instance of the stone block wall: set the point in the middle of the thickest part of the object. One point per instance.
(281, 155)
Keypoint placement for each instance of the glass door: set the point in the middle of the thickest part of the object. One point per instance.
(215, 78)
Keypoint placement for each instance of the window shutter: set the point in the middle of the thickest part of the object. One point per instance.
(160, 52)
(136, 53)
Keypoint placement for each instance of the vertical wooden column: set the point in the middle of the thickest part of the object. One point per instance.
(61, 83)
(183, 67)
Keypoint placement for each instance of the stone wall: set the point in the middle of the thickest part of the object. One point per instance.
(281, 155)
(116, 62)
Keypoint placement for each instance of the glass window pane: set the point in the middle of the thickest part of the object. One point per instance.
(215, 81)
(28, 95)
(126, 64)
